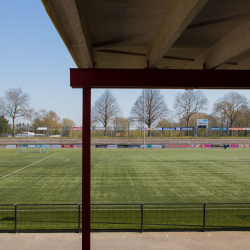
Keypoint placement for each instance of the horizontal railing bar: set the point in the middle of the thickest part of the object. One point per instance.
(40, 204)
(126, 204)
(123, 204)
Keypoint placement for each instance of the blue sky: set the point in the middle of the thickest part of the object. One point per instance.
(33, 57)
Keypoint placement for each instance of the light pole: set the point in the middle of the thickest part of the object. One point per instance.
(171, 123)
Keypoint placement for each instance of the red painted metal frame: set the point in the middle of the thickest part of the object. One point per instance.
(160, 78)
(137, 78)
(86, 119)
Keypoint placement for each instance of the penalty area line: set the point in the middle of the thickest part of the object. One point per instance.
(27, 166)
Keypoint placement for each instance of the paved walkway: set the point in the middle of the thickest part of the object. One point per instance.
(128, 241)
(171, 241)
(42, 241)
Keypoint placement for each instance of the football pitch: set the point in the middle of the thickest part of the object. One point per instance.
(126, 176)
(41, 178)
(170, 175)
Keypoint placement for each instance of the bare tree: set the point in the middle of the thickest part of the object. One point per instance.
(15, 104)
(105, 109)
(155, 107)
(231, 106)
(189, 103)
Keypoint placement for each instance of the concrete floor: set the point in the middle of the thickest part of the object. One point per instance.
(128, 241)
(42, 241)
(171, 241)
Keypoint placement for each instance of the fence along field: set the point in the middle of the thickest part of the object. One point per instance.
(131, 176)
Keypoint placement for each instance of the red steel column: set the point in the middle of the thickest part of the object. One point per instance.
(86, 118)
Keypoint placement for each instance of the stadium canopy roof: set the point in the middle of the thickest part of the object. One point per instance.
(138, 34)
(168, 34)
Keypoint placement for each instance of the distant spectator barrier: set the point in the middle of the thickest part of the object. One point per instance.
(55, 146)
(10, 146)
(176, 144)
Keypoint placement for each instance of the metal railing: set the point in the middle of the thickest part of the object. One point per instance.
(41, 218)
(139, 217)
(170, 217)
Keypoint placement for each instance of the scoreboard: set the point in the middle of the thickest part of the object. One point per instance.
(202, 123)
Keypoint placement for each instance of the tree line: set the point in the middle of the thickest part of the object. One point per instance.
(16, 104)
(230, 110)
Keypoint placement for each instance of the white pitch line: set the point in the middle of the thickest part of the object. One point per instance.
(56, 161)
(28, 166)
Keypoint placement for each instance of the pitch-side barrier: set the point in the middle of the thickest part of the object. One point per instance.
(170, 145)
(138, 217)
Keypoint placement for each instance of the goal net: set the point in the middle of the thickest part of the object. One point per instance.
(180, 144)
(32, 147)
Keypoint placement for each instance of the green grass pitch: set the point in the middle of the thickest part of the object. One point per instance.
(127, 176)
(170, 175)
(31, 179)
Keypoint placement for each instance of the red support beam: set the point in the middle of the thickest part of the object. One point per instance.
(86, 119)
(139, 78)
(160, 78)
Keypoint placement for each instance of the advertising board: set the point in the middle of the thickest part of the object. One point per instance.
(92, 146)
(77, 146)
(134, 146)
(156, 146)
(179, 128)
(42, 128)
(168, 128)
(11, 146)
(186, 128)
(112, 146)
(233, 145)
(145, 146)
(55, 146)
(33, 146)
(67, 146)
(218, 128)
(77, 128)
(44, 146)
(101, 146)
(122, 146)
(237, 128)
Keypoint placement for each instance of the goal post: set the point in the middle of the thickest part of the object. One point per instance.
(32, 147)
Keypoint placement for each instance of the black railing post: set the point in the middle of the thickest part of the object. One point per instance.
(204, 217)
(15, 218)
(79, 218)
(142, 217)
